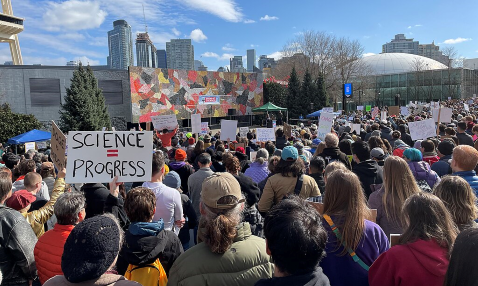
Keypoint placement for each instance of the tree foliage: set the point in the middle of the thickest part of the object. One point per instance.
(307, 94)
(275, 93)
(320, 99)
(13, 124)
(84, 108)
(293, 96)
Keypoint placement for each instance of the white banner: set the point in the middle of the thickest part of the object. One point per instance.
(445, 114)
(164, 121)
(97, 157)
(325, 123)
(228, 130)
(243, 131)
(404, 110)
(265, 134)
(422, 129)
(196, 123)
(360, 107)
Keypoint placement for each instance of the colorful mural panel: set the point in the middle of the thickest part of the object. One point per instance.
(167, 91)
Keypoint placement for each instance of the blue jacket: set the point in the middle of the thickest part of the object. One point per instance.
(470, 177)
(442, 167)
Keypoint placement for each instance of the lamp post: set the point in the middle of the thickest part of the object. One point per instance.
(397, 99)
(379, 98)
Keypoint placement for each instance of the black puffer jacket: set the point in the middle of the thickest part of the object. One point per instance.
(334, 154)
(369, 173)
(17, 241)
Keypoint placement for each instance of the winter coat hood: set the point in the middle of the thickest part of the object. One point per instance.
(368, 168)
(177, 165)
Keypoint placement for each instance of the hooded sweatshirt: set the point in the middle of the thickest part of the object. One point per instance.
(414, 264)
(334, 154)
(184, 170)
(369, 173)
(386, 133)
(147, 241)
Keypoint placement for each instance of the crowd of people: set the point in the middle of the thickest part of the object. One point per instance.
(373, 207)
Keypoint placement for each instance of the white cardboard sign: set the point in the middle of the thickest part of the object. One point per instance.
(383, 115)
(360, 107)
(404, 110)
(29, 146)
(422, 129)
(243, 131)
(204, 128)
(164, 121)
(228, 129)
(196, 123)
(445, 114)
(356, 128)
(466, 107)
(325, 123)
(265, 134)
(253, 156)
(97, 157)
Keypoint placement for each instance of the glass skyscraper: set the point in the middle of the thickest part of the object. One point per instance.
(120, 45)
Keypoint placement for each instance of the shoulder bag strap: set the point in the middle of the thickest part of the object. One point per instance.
(298, 185)
(352, 253)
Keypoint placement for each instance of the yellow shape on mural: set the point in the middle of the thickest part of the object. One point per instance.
(162, 79)
(216, 113)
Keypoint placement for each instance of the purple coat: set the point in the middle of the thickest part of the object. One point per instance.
(422, 171)
(257, 172)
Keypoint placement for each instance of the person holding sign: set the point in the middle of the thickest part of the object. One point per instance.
(166, 136)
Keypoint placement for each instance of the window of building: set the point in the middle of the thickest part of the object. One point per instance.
(45, 92)
(112, 91)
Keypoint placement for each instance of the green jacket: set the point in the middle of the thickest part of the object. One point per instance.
(244, 263)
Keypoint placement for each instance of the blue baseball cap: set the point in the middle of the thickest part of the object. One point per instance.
(316, 142)
(289, 153)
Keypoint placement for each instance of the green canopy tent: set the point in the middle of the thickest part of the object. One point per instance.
(271, 107)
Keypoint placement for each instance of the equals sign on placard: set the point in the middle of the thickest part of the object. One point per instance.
(112, 153)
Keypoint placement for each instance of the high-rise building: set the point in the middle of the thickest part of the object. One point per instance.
(145, 51)
(251, 60)
(202, 68)
(180, 54)
(400, 44)
(72, 63)
(197, 64)
(236, 65)
(120, 45)
(265, 62)
(162, 59)
(432, 51)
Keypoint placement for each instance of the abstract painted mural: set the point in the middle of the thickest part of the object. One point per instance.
(167, 91)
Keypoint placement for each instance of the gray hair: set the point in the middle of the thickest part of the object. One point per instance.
(30, 153)
(68, 206)
(262, 156)
(331, 140)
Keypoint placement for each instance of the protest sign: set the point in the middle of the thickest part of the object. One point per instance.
(375, 112)
(466, 107)
(445, 114)
(253, 156)
(164, 122)
(422, 129)
(328, 109)
(360, 107)
(29, 146)
(58, 147)
(287, 130)
(196, 123)
(368, 108)
(265, 134)
(274, 124)
(325, 123)
(228, 129)
(204, 128)
(449, 98)
(404, 110)
(96, 157)
(394, 110)
(41, 145)
(356, 128)
(383, 115)
(243, 131)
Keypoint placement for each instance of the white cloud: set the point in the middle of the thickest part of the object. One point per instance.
(456, 41)
(225, 9)
(276, 55)
(73, 15)
(414, 26)
(210, 55)
(198, 36)
(45, 40)
(228, 48)
(77, 37)
(85, 60)
(223, 57)
(248, 21)
(254, 46)
(160, 38)
(269, 18)
(176, 32)
(368, 55)
(409, 27)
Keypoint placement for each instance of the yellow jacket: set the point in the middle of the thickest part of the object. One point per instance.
(38, 218)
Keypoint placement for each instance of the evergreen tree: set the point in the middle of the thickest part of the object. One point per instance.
(13, 124)
(320, 99)
(307, 93)
(84, 107)
(275, 93)
(293, 99)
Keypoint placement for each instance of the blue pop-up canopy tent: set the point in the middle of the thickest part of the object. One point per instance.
(31, 136)
(315, 114)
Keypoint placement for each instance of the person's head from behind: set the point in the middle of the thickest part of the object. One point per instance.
(376, 141)
(402, 128)
(317, 165)
(140, 205)
(289, 163)
(446, 147)
(11, 160)
(29, 154)
(70, 208)
(33, 182)
(333, 166)
(221, 211)
(92, 248)
(450, 131)
(464, 158)
(361, 151)
(459, 198)
(461, 127)
(462, 267)
(26, 166)
(157, 165)
(47, 170)
(5, 186)
(427, 218)
(262, 156)
(345, 198)
(165, 130)
(331, 140)
(232, 164)
(270, 147)
(427, 146)
(204, 160)
(396, 134)
(412, 155)
(345, 146)
(273, 161)
(295, 237)
(279, 133)
(180, 155)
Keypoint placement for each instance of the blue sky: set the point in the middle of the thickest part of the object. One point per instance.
(60, 31)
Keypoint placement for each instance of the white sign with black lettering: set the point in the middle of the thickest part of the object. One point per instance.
(422, 129)
(97, 157)
(161, 122)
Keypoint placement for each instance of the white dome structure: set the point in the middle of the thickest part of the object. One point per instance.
(394, 63)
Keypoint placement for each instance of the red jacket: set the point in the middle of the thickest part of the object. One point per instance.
(431, 159)
(415, 264)
(166, 138)
(48, 251)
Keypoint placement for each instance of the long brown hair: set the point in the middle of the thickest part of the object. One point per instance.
(345, 200)
(320, 148)
(459, 199)
(199, 148)
(427, 218)
(399, 184)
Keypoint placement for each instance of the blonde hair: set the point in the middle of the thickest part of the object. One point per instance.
(334, 166)
(399, 185)
(320, 148)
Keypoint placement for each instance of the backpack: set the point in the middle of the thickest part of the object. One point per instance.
(147, 275)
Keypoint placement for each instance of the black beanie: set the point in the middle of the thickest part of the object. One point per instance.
(90, 249)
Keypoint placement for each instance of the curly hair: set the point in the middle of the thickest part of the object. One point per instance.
(232, 164)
